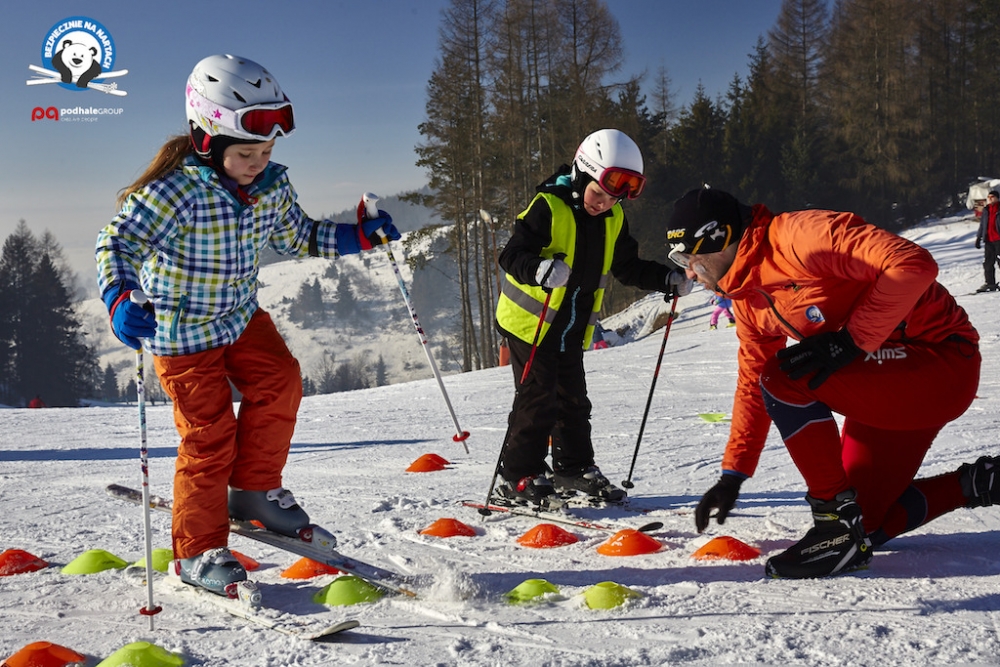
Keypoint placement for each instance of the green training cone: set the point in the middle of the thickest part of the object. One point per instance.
(94, 561)
(530, 590)
(345, 591)
(161, 560)
(142, 654)
(608, 594)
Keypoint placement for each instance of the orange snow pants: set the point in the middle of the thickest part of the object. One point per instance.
(219, 448)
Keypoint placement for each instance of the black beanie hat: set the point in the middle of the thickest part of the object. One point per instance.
(706, 220)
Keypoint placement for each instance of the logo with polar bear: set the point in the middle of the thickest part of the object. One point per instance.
(78, 54)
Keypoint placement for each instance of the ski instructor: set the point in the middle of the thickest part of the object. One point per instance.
(573, 234)
(876, 339)
(189, 233)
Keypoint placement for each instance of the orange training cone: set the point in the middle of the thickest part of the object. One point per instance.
(428, 463)
(629, 542)
(249, 564)
(17, 561)
(728, 548)
(546, 536)
(44, 654)
(448, 528)
(307, 568)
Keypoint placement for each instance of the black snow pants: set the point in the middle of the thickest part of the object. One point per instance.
(552, 402)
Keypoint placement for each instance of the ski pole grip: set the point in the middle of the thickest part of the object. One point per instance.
(370, 200)
(371, 204)
(139, 298)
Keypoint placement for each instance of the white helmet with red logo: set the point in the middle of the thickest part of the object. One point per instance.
(236, 97)
(611, 158)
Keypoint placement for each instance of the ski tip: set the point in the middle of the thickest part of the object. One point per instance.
(329, 633)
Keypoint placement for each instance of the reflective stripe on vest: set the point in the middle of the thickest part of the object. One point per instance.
(520, 305)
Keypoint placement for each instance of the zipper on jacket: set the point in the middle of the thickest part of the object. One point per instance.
(175, 322)
(774, 309)
(572, 319)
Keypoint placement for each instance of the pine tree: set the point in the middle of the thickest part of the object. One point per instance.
(347, 305)
(308, 308)
(42, 347)
(131, 391)
(109, 386)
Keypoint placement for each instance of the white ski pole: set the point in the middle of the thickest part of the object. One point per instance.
(139, 298)
(371, 211)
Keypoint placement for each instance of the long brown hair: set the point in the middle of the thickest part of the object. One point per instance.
(170, 156)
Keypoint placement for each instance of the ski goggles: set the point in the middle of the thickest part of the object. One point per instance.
(621, 183)
(679, 257)
(261, 122)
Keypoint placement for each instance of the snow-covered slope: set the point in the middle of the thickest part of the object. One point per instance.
(381, 325)
(929, 598)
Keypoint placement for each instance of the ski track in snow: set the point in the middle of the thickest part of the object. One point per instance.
(931, 597)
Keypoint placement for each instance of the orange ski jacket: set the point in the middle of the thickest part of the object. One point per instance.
(802, 273)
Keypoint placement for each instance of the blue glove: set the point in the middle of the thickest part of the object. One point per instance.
(129, 321)
(368, 231)
(823, 354)
(353, 239)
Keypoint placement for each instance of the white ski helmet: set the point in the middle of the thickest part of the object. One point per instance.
(235, 97)
(611, 158)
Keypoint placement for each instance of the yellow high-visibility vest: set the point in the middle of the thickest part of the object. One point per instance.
(520, 305)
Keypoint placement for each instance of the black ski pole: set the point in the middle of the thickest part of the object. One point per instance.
(627, 483)
(485, 511)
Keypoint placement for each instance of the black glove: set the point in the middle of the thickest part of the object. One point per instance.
(722, 497)
(823, 353)
(979, 244)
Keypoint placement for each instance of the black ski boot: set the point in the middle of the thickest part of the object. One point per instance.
(275, 509)
(589, 480)
(837, 543)
(534, 489)
(980, 481)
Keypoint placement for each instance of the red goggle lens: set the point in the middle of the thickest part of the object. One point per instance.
(262, 122)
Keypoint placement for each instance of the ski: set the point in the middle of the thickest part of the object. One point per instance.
(282, 625)
(583, 501)
(313, 544)
(248, 607)
(551, 515)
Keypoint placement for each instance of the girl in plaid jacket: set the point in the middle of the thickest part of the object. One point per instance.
(189, 234)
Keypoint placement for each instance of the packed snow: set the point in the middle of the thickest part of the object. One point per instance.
(929, 597)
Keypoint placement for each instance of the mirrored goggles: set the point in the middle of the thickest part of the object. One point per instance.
(267, 120)
(679, 257)
(620, 183)
(261, 122)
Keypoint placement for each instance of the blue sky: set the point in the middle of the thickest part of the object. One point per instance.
(355, 70)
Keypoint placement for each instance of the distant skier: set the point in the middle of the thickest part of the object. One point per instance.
(988, 235)
(37, 402)
(879, 342)
(720, 306)
(189, 233)
(565, 244)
